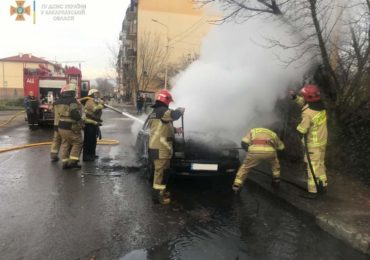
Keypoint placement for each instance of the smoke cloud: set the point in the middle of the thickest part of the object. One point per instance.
(236, 82)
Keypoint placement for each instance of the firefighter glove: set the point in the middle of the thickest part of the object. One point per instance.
(244, 145)
(98, 133)
(293, 94)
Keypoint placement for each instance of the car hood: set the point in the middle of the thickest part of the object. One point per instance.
(203, 146)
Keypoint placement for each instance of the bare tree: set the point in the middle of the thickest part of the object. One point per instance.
(104, 86)
(151, 59)
(319, 26)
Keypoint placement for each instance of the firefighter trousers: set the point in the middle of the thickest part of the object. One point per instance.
(253, 159)
(317, 156)
(160, 181)
(71, 145)
(55, 145)
(90, 133)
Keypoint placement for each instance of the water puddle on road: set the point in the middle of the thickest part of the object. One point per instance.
(110, 167)
(110, 170)
(251, 227)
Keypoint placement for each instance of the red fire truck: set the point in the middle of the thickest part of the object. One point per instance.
(46, 87)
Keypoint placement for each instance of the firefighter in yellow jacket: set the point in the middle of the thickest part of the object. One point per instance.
(69, 127)
(161, 142)
(93, 112)
(261, 144)
(313, 127)
(57, 139)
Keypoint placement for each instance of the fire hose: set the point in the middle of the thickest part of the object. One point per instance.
(318, 183)
(23, 146)
(125, 114)
(12, 118)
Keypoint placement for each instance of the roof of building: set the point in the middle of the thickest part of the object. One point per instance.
(25, 58)
(72, 71)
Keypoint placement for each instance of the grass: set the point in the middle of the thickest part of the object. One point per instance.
(14, 104)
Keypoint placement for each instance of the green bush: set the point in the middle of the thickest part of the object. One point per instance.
(14, 102)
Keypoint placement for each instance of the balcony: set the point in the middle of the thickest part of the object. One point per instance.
(130, 53)
(131, 14)
(131, 32)
(131, 36)
(125, 25)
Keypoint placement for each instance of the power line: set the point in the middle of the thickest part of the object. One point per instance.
(179, 34)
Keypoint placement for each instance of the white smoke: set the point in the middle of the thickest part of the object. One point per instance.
(236, 81)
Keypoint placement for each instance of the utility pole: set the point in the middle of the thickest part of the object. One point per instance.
(167, 51)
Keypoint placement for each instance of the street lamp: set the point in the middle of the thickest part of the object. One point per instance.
(167, 48)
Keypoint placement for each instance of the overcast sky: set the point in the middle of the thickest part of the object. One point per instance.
(86, 38)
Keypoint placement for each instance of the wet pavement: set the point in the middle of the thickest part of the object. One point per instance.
(104, 210)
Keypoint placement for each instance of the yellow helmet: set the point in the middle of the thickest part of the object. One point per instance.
(92, 91)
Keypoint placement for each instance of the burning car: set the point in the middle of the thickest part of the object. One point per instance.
(197, 154)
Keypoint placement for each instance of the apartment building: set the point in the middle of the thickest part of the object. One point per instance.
(158, 39)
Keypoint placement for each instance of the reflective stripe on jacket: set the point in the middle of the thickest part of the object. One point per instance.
(314, 124)
(68, 110)
(263, 140)
(93, 111)
(162, 132)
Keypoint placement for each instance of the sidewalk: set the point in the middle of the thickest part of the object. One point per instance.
(344, 211)
(8, 114)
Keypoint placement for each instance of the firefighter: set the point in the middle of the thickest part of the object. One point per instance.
(313, 127)
(161, 139)
(70, 126)
(261, 144)
(57, 139)
(31, 105)
(93, 113)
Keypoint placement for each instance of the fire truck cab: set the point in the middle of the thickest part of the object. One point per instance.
(46, 88)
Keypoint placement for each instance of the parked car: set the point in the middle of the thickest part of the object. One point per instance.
(198, 154)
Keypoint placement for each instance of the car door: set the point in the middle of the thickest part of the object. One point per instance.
(142, 141)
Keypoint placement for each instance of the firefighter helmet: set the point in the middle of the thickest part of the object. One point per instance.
(92, 91)
(164, 96)
(310, 93)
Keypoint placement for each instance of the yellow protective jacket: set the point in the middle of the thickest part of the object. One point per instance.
(162, 132)
(262, 140)
(93, 111)
(68, 110)
(313, 124)
(56, 115)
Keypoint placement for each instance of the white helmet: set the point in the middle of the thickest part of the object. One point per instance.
(92, 91)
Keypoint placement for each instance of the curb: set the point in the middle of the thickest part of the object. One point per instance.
(330, 224)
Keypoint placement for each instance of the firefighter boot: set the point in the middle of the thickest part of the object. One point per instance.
(54, 157)
(321, 188)
(275, 183)
(310, 195)
(164, 197)
(161, 197)
(236, 188)
(71, 165)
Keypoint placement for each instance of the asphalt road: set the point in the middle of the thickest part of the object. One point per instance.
(104, 210)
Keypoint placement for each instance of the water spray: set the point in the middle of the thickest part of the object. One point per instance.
(125, 114)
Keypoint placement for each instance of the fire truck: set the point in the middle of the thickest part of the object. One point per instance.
(46, 87)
